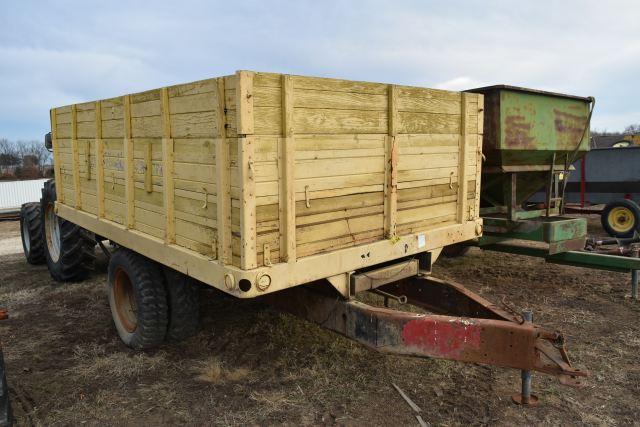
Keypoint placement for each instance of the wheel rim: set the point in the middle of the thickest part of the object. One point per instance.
(26, 238)
(621, 219)
(52, 233)
(125, 300)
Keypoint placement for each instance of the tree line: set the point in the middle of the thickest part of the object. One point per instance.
(24, 159)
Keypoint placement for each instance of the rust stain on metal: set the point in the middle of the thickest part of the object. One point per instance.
(442, 338)
(517, 132)
(569, 127)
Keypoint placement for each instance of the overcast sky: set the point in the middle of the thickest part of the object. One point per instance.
(54, 53)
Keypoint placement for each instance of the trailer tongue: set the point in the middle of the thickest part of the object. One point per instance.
(464, 326)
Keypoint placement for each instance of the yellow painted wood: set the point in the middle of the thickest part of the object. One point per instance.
(148, 184)
(167, 173)
(462, 169)
(259, 168)
(391, 166)
(244, 103)
(128, 164)
(223, 181)
(248, 202)
(56, 152)
(286, 173)
(76, 158)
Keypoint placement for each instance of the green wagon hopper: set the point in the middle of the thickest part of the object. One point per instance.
(530, 140)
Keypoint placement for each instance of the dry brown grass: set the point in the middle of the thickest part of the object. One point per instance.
(213, 371)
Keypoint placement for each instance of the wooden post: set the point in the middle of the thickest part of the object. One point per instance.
(99, 161)
(391, 166)
(56, 155)
(167, 170)
(148, 165)
(462, 160)
(129, 189)
(286, 172)
(76, 157)
(223, 182)
(479, 152)
(246, 143)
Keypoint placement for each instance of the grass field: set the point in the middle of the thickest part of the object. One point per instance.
(251, 365)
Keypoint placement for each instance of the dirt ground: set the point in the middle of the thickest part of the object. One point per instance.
(251, 365)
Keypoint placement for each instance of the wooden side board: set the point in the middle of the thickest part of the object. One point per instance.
(257, 169)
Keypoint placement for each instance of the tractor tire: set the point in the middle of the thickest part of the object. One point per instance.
(621, 218)
(138, 299)
(184, 305)
(31, 233)
(69, 249)
(6, 415)
(456, 250)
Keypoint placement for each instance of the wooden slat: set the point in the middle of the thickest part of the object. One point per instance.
(479, 153)
(244, 103)
(391, 166)
(223, 182)
(247, 202)
(286, 172)
(76, 157)
(462, 168)
(99, 160)
(129, 189)
(148, 184)
(56, 153)
(167, 166)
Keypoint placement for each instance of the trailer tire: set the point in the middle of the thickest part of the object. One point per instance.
(31, 233)
(138, 299)
(68, 248)
(456, 250)
(6, 414)
(184, 305)
(621, 218)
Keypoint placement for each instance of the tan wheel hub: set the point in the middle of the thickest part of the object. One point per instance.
(125, 301)
(621, 219)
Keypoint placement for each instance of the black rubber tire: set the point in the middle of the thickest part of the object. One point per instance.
(183, 295)
(77, 245)
(31, 233)
(632, 207)
(147, 288)
(456, 250)
(6, 414)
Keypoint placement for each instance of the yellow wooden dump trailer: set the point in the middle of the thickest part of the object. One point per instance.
(258, 183)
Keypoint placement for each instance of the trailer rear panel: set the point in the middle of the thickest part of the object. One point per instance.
(256, 182)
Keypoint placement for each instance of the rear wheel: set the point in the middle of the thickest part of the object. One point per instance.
(31, 233)
(621, 218)
(184, 305)
(68, 248)
(138, 299)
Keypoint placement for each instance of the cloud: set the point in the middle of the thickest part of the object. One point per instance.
(54, 53)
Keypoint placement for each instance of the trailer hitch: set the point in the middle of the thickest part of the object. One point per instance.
(464, 326)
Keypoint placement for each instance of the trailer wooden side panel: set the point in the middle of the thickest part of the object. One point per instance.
(254, 172)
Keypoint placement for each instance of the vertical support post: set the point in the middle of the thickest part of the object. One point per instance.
(286, 170)
(462, 160)
(246, 146)
(76, 157)
(525, 397)
(223, 181)
(479, 155)
(513, 206)
(167, 170)
(391, 165)
(583, 182)
(550, 195)
(99, 161)
(635, 252)
(129, 189)
(148, 168)
(56, 155)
